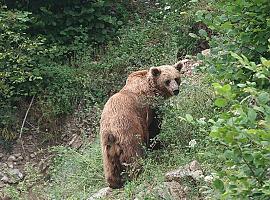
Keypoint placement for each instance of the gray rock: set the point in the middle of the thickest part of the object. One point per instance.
(167, 190)
(1, 175)
(104, 192)
(1, 155)
(17, 155)
(192, 169)
(32, 155)
(16, 173)
(206, 52)
(20, 158)
(3, 165)
(11, 158)
(11, 176)
(194, 166)
(175, 191)
(10, 164)
(2, 184)
(5, 179)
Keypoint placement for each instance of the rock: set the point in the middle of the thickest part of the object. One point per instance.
(1, 155)
(3, 165)
(10, 164)
(11, 158)
(197, 175)
(192, 169)
(189, 66)
(5, 179)
(104, 192)
(208, 179)
(6, 198)
(1, 175)
(167, 190)
(2, 184)
(27, 158)
(32, 155)
(20, 158)
(175, 190)
(176, 175)
(194, 166)
(16, 173)
(11, 176)
(17, 155)
(206, 52)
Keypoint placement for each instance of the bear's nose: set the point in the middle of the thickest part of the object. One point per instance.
(176, 92)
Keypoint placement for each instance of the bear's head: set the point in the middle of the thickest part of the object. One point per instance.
(166, 79)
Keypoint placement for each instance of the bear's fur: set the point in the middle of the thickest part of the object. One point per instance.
(128, 120)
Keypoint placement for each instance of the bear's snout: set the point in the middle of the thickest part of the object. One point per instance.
(176, 92)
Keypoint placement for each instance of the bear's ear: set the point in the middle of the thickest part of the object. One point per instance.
(178, 65)
(155, 71)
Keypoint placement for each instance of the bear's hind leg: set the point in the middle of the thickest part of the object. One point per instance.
(112, 165)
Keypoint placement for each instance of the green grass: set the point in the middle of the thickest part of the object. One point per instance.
(76, 175)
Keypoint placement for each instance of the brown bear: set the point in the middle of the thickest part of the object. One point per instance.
(128, 120)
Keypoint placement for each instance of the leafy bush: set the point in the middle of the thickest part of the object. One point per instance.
(194, 105)
(20, 59)
(71, 26)
(244, 26)
(242, 89)
(244, 130)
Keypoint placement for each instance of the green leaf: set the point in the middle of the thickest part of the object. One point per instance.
(194, 35)
(218, 184)
(220, 102)
(248, 156)
(229, 154)
(264, 97)
(265, 62)
(252, 115)
(189, 118)
(226, 25)
(120, 23)
(235, 56)
(203, 33)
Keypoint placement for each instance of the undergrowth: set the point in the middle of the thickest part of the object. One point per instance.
(78, 174)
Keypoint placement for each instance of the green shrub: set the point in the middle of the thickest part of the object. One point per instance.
(194, 104)
(244, 130)
(71, 26)
(242, 89)
(20, 59)
(243, 25)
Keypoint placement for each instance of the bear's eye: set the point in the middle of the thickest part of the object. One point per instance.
(167, 82)
(177, 80)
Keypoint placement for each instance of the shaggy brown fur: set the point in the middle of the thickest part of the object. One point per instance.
(127, 117)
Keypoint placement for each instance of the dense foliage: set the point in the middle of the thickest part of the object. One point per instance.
(73, 25)
(54, 52)
(243, 95)
(39, 43)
